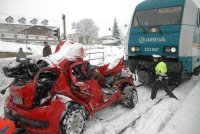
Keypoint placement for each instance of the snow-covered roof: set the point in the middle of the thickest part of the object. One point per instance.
(10, 19)
(66, 51)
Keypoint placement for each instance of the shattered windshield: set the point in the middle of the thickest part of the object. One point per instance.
(161, 16)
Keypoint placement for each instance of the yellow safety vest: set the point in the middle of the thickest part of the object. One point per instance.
(161, 69)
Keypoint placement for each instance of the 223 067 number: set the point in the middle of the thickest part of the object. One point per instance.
(149, 49)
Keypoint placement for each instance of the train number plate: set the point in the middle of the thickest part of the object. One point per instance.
(151, 49)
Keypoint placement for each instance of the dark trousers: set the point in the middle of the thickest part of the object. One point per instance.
(159, 84)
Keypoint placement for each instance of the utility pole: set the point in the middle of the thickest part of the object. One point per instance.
(64, 27)
(26, 40)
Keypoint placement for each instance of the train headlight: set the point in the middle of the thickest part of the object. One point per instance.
(173, 49)
(133, 49)
(137, 49)
(167, 50)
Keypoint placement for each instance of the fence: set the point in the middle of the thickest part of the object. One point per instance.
(95, 55)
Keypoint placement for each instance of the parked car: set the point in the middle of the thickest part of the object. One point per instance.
(111, 41)
(38, 43)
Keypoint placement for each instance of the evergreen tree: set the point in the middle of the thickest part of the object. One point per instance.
(115, 31)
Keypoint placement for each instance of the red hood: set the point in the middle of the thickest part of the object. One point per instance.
(26, 93)
(115, 70)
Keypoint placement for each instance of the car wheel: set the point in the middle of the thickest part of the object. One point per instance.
(130, 97)
(73, 121)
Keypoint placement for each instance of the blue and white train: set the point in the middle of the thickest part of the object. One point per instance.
(170, 28)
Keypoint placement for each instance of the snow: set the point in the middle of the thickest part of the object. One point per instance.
(166, 115)
(162, 115)
(14, 47)
(68, 50)
(187, 118)
(154, 120)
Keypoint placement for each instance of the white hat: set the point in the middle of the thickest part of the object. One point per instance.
(156, 56)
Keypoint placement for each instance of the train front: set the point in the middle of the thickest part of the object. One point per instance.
(155, 29)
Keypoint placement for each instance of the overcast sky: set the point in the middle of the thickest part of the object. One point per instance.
(74, 9)
(102, 12)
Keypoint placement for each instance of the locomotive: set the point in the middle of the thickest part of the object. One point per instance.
(168, 28)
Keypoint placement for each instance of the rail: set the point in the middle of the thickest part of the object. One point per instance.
(96, 53)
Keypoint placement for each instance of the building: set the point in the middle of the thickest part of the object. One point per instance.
(16, 28)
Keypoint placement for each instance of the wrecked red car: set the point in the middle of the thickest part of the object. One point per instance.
(57, 98)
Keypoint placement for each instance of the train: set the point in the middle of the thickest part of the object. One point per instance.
(170, 28)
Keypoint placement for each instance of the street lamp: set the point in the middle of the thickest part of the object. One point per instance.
(125, 39)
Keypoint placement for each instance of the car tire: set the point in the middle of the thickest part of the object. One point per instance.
(73, 121)
(130, 97)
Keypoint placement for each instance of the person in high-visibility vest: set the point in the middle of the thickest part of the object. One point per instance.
(6, 126)
(161, 79)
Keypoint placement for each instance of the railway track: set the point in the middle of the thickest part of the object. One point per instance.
(132, 124)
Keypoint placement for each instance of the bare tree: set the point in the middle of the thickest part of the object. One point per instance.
(73, 25)
(87, 29)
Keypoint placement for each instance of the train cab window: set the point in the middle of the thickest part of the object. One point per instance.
(159, 16)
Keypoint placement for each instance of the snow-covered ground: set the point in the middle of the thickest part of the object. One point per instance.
(34, 48)
(163, 115)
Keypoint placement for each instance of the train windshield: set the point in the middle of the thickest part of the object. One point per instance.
(160, 16)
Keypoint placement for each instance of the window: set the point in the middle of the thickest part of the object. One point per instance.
(2, 35)
(160, 16)
(34, 21)
(45, 22)
(10, 19)
(22, 20)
